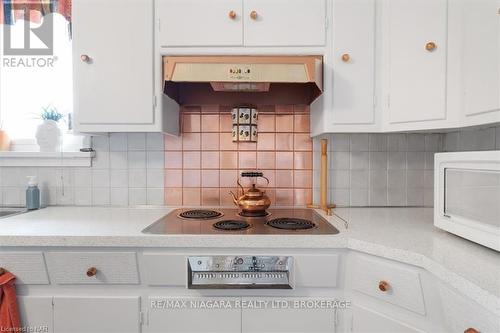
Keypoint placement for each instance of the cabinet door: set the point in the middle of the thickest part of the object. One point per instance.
(114, 85)
(287, 315)
(415, 42)
(192, 314)
(96, 314)
(285, 22)
(200, 23)
(353, 61)
(370, 321)
(36, 313)
(480, 50)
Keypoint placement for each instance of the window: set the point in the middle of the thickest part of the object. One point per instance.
(30, 82)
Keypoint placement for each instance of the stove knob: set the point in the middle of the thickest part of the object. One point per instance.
(239, 261)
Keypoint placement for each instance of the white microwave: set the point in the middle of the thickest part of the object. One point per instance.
(467, 195)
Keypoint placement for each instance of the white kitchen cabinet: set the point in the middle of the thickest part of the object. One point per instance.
(479, 48)
(353, 65)
(414, 74)
(366, 320)
(114, 66)
(461, 313)
(200, 23)
(192, 314)
(287, 315)
(96, 314)
(36, 312)
(284, 22)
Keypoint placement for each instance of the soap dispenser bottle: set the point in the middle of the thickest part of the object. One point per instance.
(32, 194)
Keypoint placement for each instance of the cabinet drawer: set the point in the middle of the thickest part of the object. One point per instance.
(316, 271)
(403, 287)
(28, 267)
(110, 267)
(162, 269)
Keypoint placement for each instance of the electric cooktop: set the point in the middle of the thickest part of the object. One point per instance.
(230, 221)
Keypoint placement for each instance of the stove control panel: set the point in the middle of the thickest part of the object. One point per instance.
(239, 272)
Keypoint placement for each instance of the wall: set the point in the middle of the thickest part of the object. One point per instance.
(128, 170)
(365, 169)
(380, 169)
(391, 169)
(487, 138)
(203, 165)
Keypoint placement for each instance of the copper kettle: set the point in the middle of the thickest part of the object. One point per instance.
(253, 202)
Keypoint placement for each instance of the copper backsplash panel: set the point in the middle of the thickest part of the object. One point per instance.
(202, 165)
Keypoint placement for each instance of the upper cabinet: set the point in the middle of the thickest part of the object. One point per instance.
(477, 45)
(114, 66)
(200, 23)
(215, 23)
(353, 63)
(284, 22)
(414, 56)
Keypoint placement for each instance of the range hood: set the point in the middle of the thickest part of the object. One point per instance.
(243, 79)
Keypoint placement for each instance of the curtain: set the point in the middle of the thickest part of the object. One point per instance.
(12, 10)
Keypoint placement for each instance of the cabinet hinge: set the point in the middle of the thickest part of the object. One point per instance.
(141, 318)
(154, 101)
(159, 25)
(374, 101)
(388, 101)
(326, 23)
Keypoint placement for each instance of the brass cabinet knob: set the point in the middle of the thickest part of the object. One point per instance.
(346, 57)
(383, 286)
(253, 15)
(232, 14)
(430, 46)
(85, 58)
(92, 271)
(471, 330)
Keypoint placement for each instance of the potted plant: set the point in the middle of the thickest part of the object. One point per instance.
(48, 134)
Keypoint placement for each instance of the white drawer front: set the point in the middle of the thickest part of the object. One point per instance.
(111, 267)
(165, 269)
(28, 267)
(318, 271)
(404, 286)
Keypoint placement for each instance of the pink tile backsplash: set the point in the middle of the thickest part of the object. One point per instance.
(203, 164)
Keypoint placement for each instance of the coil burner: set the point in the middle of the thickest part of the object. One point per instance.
(287, 223)
(200, 214)
(231, 225)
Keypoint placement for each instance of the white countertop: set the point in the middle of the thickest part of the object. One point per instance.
(403, 234)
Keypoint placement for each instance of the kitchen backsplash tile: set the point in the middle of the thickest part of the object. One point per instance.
(391, 169)
(379, 169)
(148, 168)
(203, 165)
(128, 170)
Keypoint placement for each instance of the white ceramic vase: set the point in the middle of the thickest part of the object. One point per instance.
(48, 136)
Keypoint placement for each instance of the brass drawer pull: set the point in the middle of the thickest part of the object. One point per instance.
(430, 46)
(471, 330)
(346, 57)
(92, 271)
(232, 14)
(383, 286)
(253, 15)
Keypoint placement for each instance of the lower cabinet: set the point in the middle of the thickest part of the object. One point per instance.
(36, 313)
(312, 315)
(97, 314)
(186, 314)
(366, 320)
